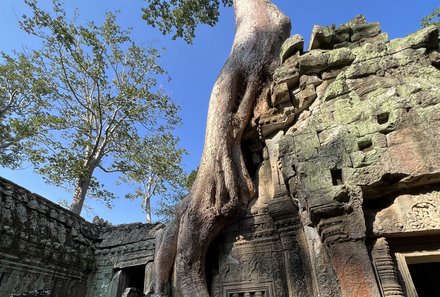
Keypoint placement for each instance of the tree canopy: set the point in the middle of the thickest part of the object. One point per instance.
(432, 19)
(181, 17)
(105, 103)
(22, 101)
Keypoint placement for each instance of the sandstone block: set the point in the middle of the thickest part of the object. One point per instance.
(362, 31)
(340, 57)
(426, 37)
(280, 94)
(322, 37)
(287, 73)
(313, 62)
(291, 46)
(305, 97)
(306, 80)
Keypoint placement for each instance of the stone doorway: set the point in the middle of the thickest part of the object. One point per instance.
(420, 271)
(130, 277)
(426, 278)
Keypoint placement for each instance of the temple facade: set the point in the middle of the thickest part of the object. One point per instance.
(347, 164)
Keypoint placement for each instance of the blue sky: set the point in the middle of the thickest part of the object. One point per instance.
(194, 68)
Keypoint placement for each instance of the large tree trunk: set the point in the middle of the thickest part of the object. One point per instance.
(79, 194)
(223, 187)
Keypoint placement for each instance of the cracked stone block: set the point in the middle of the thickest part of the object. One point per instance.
(291, 46)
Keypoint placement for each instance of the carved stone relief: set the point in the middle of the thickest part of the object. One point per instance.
(409, 213)
(386, 269)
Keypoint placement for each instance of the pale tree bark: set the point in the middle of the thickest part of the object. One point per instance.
(83, 185)
(147, 207)
(79, 194)
(223, 187)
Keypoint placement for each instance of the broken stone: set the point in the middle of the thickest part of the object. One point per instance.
(322, 37)
(336, 88)
(340, 57)
(426, 37)
(342, 34)
(291, 46)
(305, 97)
(288, 72)
(362, 31)
(306, 80)
(280, 94)
(357, 20)
(313, 62)
(382, 37)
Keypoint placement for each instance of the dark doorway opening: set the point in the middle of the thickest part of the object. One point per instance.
(134, 277)
(426, 278)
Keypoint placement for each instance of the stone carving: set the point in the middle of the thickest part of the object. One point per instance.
(423, 215)
(408, 213)
(386, 269)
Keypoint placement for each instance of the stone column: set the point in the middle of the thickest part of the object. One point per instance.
(349, 257)
(386, 269)
(285, 215)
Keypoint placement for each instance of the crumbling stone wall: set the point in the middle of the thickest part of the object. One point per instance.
(120, 249)
(42, 246)
(46, 250)
(366, 127)
(350, 160)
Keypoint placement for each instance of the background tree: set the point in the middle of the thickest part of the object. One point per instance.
(104, 97)
(223, 186)
(432, 19)
(156, 174)
(181, 17)
(22, 103)
(168, 204)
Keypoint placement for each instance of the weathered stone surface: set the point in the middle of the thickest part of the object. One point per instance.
(280, 94)
(348, 152)
(291, 46)
(322, 37)
(306, 80)
(305, 98)
(313, 62)
(288, 73)
(425, 38)
(362, 31)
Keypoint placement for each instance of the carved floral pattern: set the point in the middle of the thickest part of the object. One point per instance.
(423, 215)
(409, 213)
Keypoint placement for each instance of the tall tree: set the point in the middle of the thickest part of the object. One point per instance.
(104, 96)
(22, 104)
(168, 204)
(155, 174)
(223, 186)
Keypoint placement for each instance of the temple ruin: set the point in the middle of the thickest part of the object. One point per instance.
(347, 164)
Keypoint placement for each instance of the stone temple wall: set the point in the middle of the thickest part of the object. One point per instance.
(347, 165)
(349, 174)
(50, 251)
(123, 258)
(42, 246)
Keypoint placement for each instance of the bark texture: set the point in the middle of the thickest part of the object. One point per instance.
(80, 194)
(223, 187)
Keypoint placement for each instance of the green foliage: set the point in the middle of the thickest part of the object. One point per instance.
(167, 206)
(432, 19)
(181, 17)
(106, 107)
(191, 178)
(22, 103)
(155, 175)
